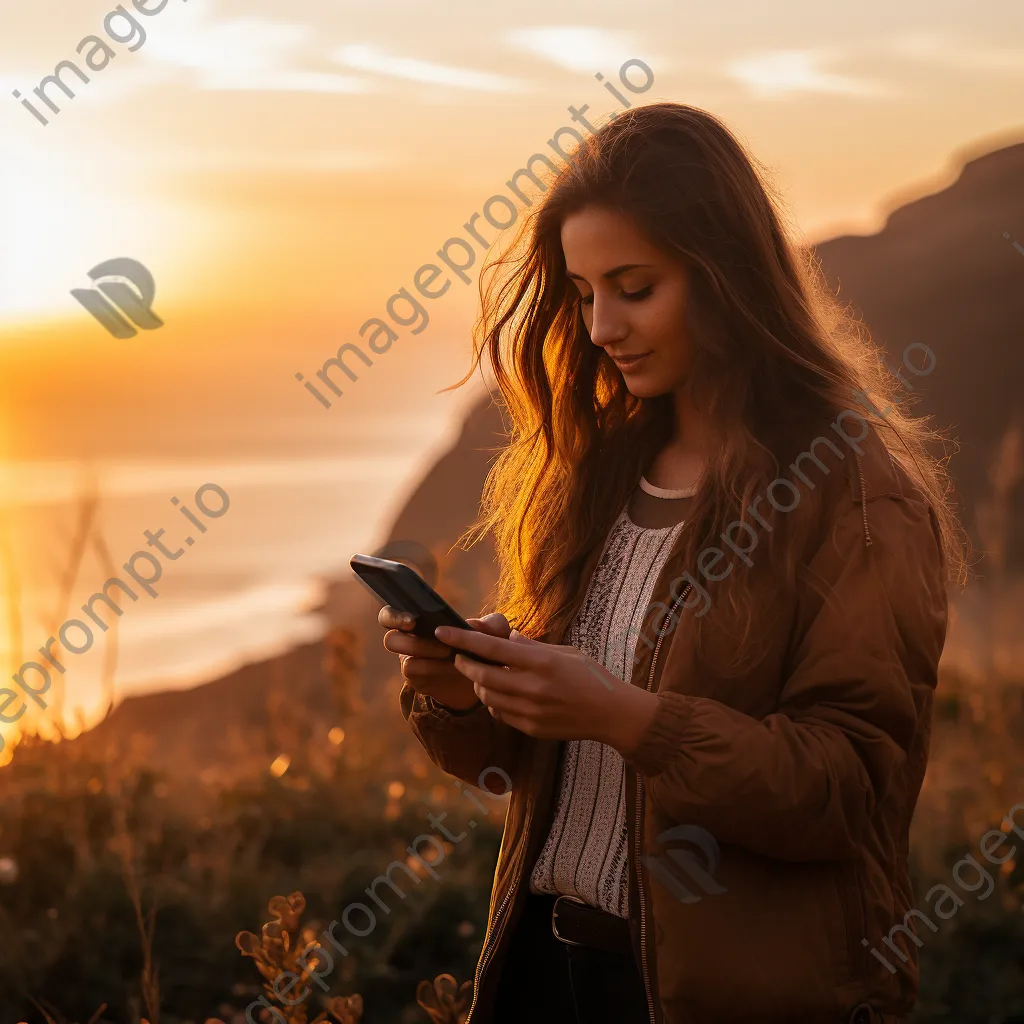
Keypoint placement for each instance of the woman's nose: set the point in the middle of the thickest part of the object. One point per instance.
(607, 326)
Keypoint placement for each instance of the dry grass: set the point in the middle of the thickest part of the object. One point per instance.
(128, 884)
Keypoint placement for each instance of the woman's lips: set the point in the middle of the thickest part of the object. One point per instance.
(627, 364)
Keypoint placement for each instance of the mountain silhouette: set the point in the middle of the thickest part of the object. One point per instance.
(942, 273)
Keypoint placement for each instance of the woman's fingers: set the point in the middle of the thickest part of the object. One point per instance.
(430, 668)
(505, 704)
(506, 652)
(392, 618)
(494, 624)
(516, 637)
(398, 642)
(510, 682)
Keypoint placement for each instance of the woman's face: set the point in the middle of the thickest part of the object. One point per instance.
(632, 297)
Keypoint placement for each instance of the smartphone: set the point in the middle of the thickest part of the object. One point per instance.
(405, 590)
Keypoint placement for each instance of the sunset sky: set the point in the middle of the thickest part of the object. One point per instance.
(279, 156)
(282, 169)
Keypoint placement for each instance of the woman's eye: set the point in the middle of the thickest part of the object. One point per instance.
(588, 300)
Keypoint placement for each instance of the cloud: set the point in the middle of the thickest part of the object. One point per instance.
(282, 81)
(236, 44)
(104, 87)
(235, 160)
(576, 47)
(247, 54)
(781, 73)
(369, 58)
(250, 54)
(935, 48)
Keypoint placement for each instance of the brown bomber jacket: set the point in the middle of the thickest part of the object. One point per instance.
(805, 769)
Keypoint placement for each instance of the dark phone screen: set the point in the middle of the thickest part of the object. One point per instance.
(402, 588)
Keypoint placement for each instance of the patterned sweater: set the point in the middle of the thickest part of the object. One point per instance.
(585, 851)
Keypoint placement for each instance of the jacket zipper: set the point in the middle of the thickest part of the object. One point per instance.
(492, 933)
(489, 948)
(637, 831)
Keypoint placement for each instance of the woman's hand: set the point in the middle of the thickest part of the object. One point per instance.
(552, 691)
(427, 665)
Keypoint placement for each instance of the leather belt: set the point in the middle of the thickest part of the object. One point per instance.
(575, 923)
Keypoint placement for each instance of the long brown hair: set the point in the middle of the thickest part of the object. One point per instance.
(775, 356)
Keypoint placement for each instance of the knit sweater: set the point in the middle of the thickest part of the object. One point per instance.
(585, 851)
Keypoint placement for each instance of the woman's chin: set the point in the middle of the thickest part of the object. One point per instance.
(642, 385)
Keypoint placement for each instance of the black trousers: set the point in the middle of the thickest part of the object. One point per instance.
(544, 981)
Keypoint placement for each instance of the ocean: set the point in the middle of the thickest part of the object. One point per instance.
(244, 589)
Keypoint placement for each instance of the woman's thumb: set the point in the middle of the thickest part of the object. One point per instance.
(518, 637)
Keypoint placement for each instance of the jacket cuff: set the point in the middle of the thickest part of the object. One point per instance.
(661, 740)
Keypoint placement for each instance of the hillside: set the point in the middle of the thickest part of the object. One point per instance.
(941, 273)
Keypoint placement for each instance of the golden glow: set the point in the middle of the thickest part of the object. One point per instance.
(50, 220)
(61, 217)
(282, 176)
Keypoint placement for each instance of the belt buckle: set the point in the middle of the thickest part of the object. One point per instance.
(554, 918)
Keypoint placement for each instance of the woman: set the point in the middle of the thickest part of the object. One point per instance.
(725, 548)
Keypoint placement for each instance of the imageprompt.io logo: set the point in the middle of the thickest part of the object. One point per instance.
(124, 292)
(701, 874)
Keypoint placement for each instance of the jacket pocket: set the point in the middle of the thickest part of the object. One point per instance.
(777, 935)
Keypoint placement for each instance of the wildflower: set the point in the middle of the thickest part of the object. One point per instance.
(346, 1009)
(278, 951)
(444, 1002)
